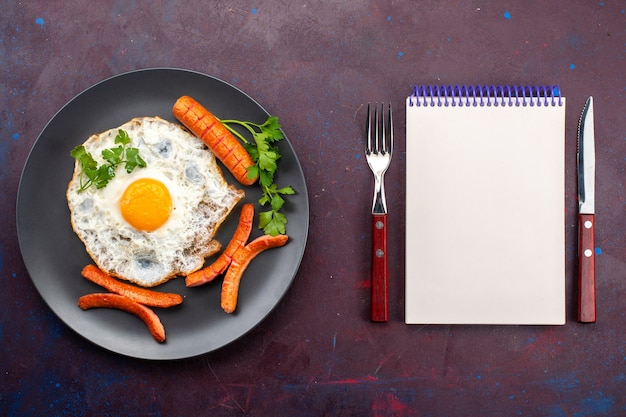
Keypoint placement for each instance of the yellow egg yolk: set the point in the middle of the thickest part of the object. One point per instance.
(146, 204)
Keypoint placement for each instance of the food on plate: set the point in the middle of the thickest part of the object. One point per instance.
(120, 302)
(241, 259)
(157, 221)
(100, 175)
(239, 239)
(265, 155)
(235, 259)
(216, 136)
(263, 152)
(141, 295)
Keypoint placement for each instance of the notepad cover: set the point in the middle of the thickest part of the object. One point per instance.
(485, 238)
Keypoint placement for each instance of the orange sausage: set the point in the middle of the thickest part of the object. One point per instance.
(216, 136)
(140, 295)
(120, 302)
(240, 261)
(220, 265)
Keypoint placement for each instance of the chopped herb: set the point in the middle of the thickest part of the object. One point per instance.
(92, 174)
(265, 155)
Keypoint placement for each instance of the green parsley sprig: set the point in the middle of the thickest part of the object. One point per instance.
(265, 154)
(92, 174)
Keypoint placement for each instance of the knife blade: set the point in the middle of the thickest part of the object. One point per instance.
(586, 167)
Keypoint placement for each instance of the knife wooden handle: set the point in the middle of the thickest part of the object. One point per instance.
(586, 269)
(379, 269)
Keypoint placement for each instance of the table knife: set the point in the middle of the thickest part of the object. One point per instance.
(586, 165)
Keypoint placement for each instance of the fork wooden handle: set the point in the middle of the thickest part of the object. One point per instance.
(379, 269)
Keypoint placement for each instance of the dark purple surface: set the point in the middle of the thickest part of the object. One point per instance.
(315, 65)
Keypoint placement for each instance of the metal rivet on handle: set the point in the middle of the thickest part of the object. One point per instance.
(380, 253)
(379, 224)
(588, 253)
(587, 224)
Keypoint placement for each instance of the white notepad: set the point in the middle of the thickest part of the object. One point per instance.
(485, 233)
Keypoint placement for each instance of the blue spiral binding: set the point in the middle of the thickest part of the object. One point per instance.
(485, 95)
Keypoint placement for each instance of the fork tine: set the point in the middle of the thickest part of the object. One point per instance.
(376, 129)
(390, 129)
(380, 128)
(368, 126)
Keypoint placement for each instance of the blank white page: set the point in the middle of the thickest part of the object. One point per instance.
(485, 235)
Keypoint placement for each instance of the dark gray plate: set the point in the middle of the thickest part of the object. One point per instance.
(54, 256)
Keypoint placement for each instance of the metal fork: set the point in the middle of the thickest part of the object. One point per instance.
(378, 151)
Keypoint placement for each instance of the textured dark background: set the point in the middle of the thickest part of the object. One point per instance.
(315, 64)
